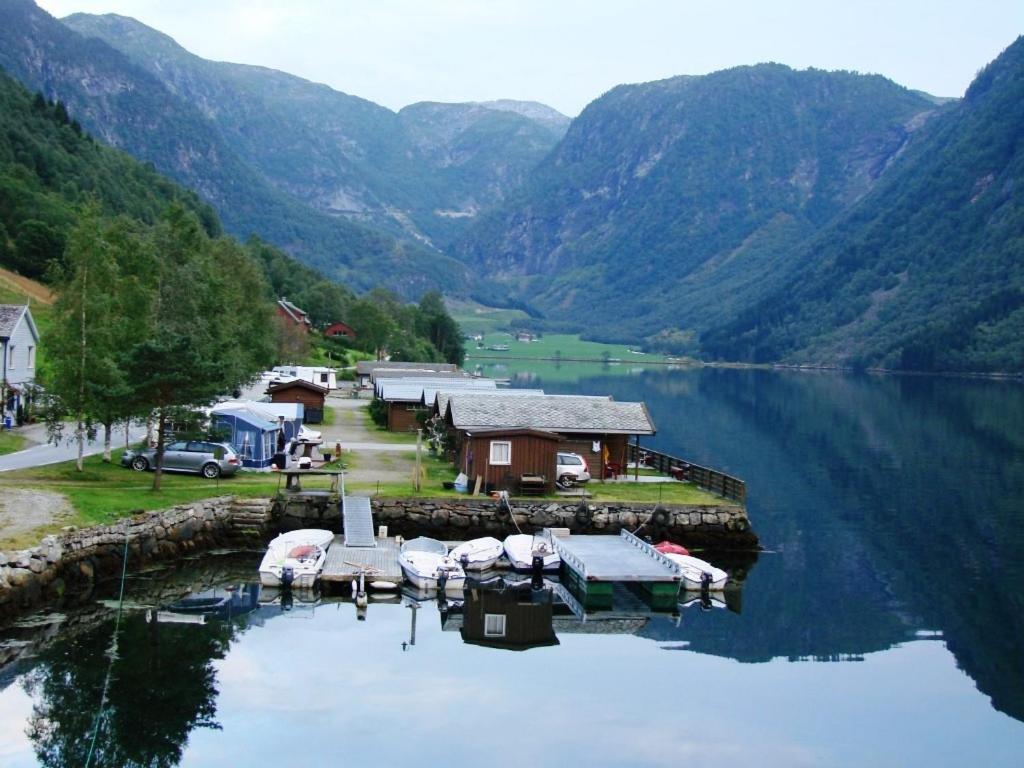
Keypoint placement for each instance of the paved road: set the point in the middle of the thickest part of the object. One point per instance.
(47, 453)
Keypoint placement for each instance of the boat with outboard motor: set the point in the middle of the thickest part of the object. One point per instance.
(295, 558)
(698, 574)
(478, 554)
(522, 548)
(426, 565)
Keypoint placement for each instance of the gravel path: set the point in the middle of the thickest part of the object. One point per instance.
(23, 510)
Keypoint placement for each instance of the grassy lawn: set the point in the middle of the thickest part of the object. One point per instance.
(565, 346)
(10, 442)
(103, 493)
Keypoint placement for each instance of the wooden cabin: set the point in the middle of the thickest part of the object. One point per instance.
(597, 428)
(312, 397)
(340, 329)
(516, 460)
(511, 620)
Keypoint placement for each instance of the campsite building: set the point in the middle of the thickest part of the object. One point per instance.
(597, 428)
(19, 341)
(311, 396)
(340, 330)
(365, 369)
(406, 398)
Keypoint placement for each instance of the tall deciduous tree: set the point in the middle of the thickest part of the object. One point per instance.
(83, 350)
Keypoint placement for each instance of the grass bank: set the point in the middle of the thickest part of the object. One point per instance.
(10, 442)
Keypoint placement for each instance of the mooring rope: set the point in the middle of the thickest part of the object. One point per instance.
(112, 654)
(511, 514)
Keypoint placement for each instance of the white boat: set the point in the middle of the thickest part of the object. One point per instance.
(478, 554)
(425, 564)
(295, 558)
(521, 548)
(694, 569)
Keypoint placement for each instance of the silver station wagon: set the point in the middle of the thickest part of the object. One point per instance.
(208, 459)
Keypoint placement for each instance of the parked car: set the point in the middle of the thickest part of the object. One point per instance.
(571, 470)
(208, 459)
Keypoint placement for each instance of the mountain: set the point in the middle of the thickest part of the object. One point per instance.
(49, 168)
(683, 199)
(925, 273)
(421, 173)
(127, 107)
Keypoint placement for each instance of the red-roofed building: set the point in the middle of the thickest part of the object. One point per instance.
(340, 329)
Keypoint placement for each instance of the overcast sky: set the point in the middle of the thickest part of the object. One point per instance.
(566, 53)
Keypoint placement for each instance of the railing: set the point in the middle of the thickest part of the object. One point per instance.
(709, 479)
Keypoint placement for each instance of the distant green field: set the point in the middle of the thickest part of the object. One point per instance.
(560, 346)
(475, 318)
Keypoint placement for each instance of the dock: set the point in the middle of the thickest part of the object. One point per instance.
(344, 563)
(593, 564)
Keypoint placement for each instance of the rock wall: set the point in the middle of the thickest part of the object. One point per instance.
(719, 526)
(67, 566)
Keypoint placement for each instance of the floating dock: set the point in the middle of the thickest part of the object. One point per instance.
(593, 564)
(345, 563)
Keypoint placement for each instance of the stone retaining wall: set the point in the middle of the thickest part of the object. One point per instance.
(68, 565)
(717, 526)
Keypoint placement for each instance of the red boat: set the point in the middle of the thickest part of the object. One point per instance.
(668, 547)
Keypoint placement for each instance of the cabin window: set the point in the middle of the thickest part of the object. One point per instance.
(323, 377)
(31, 357)
(501, 452)
(494, 625)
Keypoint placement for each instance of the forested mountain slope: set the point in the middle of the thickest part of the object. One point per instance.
(423, 172)
(927, 272)
(49, 168)
(681, 200)
(127, 107)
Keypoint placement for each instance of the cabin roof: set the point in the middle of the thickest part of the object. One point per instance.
(565, 414)
(365, 367)
(279, 386)
(10, 316)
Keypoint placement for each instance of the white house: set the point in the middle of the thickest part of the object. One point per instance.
(19, 342)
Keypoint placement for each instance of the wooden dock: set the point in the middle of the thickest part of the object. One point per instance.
(344, 563)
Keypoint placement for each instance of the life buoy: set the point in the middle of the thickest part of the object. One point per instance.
(583, 514)
(660, 516)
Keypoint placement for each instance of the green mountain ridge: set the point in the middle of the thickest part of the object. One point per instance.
(420, 173)
(684, 199)
(128, 108)
(927, 272)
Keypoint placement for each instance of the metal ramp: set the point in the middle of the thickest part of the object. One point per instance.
(358, 522)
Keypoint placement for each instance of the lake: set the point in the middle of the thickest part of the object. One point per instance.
(883, 624)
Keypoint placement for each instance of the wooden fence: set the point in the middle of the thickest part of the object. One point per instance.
(709, 479)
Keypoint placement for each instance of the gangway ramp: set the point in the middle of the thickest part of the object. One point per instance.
(358, 522)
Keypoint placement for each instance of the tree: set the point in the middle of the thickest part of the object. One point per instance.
(207, 324)
(440, 328)
(84, 368)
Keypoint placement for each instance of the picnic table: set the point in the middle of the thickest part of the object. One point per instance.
(293, 477)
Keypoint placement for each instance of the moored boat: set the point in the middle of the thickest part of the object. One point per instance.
(697, 572)
(295, 558)
(426, 565)
(521, 548)
(478, 554)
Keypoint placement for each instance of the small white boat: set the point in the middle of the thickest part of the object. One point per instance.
(426, 564)
(695, 571)
(295, 558)
(478, 554)
(521, 548)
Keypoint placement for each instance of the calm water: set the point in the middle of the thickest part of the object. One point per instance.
(884, 624)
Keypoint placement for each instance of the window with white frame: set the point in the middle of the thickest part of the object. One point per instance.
(494, 625)
(501, 452)
(31, 357)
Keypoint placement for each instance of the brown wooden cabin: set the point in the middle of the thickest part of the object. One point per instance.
(594, 427)
(310, 395)
(502, 457)
(403, 415)
(508, 619)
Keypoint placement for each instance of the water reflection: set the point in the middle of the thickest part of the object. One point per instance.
(889, 505)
